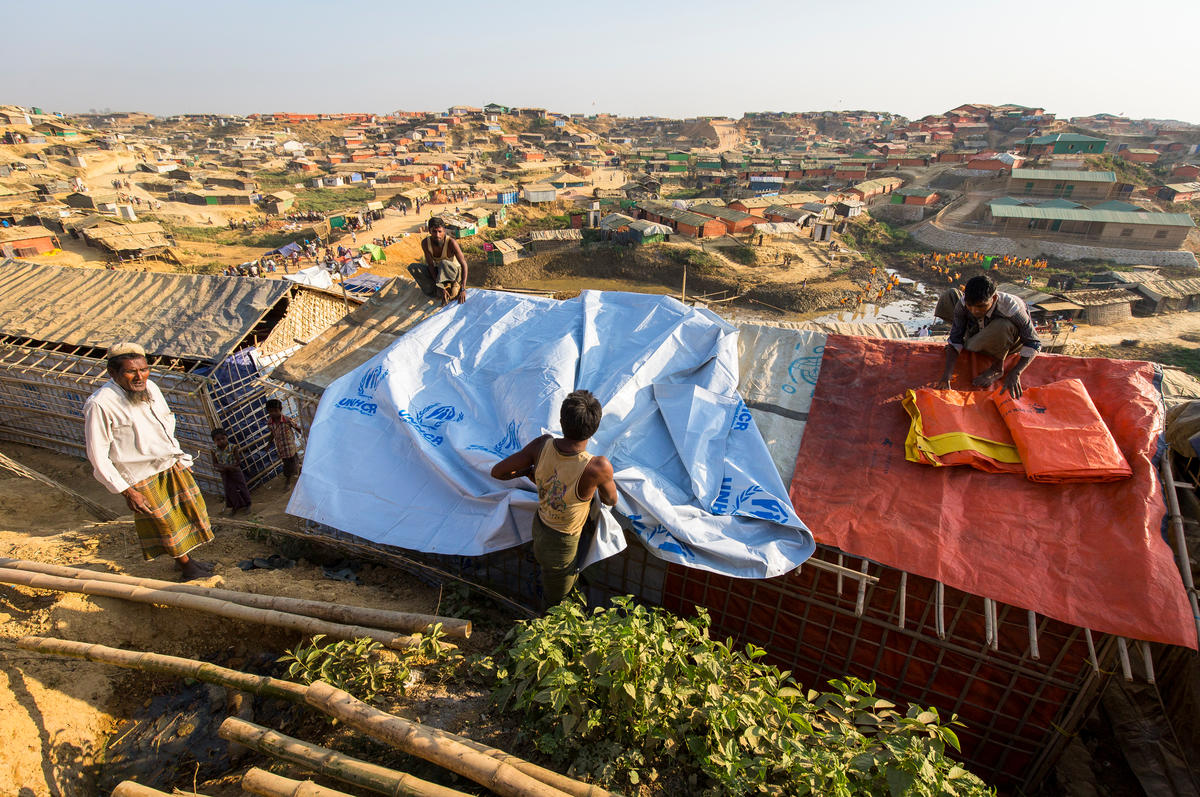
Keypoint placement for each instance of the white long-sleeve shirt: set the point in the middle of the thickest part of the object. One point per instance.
(128, 441)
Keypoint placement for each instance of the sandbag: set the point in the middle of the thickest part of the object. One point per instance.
(958, 427)
(1061, 436)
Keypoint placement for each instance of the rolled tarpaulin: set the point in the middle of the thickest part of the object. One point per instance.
(958, 427)
(1061, 436)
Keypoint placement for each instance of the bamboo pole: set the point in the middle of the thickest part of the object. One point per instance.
(1091, 644)
(1183, 560)
(903, 597)
(940, 611)
(993, 608)
(1034, 652)
(1147, 661)
(231, 611)
(272, 687)
(989, 629)
(860, 601)
(334, 612)
(563, 783)
(266, 784)
(1123, 654)
(830, 567)
(329, 762)
(166, 665)
(127, 788)
(416, 739)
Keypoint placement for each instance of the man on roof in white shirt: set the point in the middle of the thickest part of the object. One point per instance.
(130, 433)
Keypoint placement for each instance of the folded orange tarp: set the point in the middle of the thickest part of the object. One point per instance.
(1092, 555)
(959, 427)
(1061, 436)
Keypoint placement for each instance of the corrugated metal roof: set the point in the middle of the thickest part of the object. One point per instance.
(615, 221)
(507, 245)
(1170, 289)
(1083, 214)
(1058, 203)
(23, 233)
(1116, 204)
(728, 214)
(1052, 306)
(196, 317)
(1066, 175)
(1027, 295)
(1099, 298)
(556, 235)
(1074, 138)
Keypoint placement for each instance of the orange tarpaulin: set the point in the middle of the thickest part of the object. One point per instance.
(1092, 555)
(959, 427)
(1061, 436)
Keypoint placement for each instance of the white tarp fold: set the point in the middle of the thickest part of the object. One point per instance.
(313, 276)
(401, 447)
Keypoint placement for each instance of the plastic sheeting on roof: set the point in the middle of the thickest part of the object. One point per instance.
(1092, 555)
(394, 458)
(191, 316)
(313, 276)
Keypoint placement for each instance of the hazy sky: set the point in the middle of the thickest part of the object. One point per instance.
(626, 57)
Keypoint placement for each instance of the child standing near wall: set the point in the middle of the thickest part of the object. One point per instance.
(283, 434)
(227, 459)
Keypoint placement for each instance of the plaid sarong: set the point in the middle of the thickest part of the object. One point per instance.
(180, 520)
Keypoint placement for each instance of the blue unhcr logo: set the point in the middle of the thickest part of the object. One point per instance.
(430, 419)
(507, 445)
(365, 403)
(804, 369)
(661, 538)
(371, 381)
(741, 417)
(753, 501)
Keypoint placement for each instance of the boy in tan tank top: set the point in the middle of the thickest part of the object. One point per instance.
(567, 477)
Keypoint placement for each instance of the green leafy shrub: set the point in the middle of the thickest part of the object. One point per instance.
(741, 254)
(630, 694)
(362, 667)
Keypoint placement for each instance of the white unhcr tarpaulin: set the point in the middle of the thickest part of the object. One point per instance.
(779, 369)
(313, 276)
(401, 448)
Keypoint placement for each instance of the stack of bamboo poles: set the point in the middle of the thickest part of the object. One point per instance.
(334, 620)
(502, 773)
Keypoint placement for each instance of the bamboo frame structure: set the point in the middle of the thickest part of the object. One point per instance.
(44, 384)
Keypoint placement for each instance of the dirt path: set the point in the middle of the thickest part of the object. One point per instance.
(1155, 329)
(55, 713)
